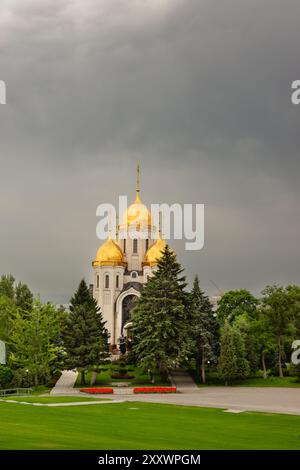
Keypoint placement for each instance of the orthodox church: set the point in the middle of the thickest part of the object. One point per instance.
(123, 266)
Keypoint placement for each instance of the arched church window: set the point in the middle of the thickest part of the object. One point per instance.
(147, 244)
(124, 245)
(117, 281)
(135, 245)
(97, 281)
(106, 281)
(134, 274)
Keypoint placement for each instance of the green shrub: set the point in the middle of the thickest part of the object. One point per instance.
(6, 376)
(22, 378)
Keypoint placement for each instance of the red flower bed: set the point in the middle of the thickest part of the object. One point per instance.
(97, 390)
(154, 390)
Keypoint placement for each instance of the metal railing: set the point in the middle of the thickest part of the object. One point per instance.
(15, 391)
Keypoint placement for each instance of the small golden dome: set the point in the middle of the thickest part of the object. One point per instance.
(109, 254)
(137, 213)
(155, 252)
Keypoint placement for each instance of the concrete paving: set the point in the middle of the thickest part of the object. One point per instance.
(267, 399)
(65, 384)
(183, 381)
(271, 400)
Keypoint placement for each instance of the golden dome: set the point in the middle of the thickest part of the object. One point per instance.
(137, 213)
(155, 252)
(109, 254)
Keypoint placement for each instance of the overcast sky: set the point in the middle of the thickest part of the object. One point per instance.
(197, 91)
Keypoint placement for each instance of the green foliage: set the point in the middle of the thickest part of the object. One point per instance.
(160, 327)
(8, 313)
(6, 376)
(232, 363)
(23, 378)
(203, 329)
(242, 364)
(33, 341)
(278, 315)
(85, 336)
(7, 286)
(23, 297)
(247, 327)
(234, 303)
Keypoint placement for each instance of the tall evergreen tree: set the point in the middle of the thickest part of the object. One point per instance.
(203, 328)
(160, 330)
(23, 297)
(232, 362)
(85, 336)
(242, 364)
(7, 286)
(227, 360)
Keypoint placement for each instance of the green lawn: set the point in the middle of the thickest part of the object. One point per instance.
(143, 426)
(36, 399)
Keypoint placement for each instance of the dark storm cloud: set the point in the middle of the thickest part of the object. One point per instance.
(197, 91)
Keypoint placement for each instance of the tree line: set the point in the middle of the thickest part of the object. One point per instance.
(171, 326)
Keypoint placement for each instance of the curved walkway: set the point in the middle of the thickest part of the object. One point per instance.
(268, 399)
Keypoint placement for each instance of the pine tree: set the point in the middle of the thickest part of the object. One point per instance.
(82, 296)
(7, 286)
(160, 333)
(23, 297)
(232, 362)
(227, 360)
(85, 336)
(203, 328)
(242, 364)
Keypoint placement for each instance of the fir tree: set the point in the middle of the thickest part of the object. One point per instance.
(227, 359)
(203, 329)
(23, 297)
(232, 362)
(82, 296)
(160, 333)
(242, 364)
(85, 336)
(7, 286)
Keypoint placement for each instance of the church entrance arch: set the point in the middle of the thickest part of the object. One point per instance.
(127, 305)
(124, 305)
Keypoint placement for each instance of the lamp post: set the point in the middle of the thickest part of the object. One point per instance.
(27, 375)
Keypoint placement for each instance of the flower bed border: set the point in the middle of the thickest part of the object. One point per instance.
(99, 390)
(155, 390)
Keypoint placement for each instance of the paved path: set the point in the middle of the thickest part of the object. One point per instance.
(267, 399)
(73, 403)
(271, 400)
(65, 384)
(183, 381)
